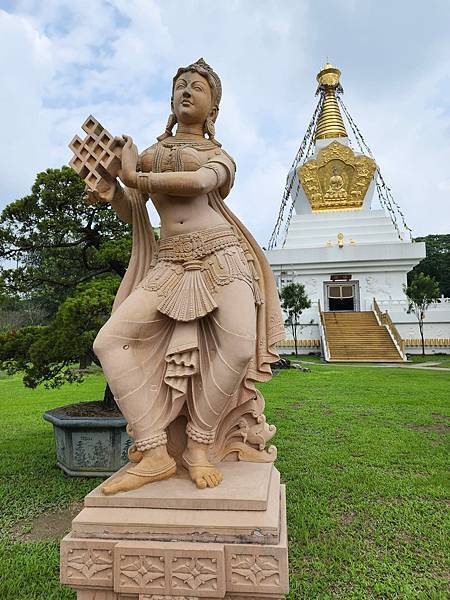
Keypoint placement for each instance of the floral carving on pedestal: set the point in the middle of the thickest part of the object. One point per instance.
(142, 570)
(89, 563)
(254, 570)
(194, 574)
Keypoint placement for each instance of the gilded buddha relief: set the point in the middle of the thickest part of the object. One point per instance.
(337, 179)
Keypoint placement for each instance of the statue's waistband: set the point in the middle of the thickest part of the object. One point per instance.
(198, 244)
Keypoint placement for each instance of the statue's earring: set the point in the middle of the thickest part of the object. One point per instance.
(209, 128)
(171, 122)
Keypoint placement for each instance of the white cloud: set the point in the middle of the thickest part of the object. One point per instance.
(28, 69)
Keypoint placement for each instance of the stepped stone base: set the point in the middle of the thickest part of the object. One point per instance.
(139, 545)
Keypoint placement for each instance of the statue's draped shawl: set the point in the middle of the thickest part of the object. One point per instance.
(270, 328)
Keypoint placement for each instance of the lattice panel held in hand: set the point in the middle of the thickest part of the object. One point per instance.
(97, 156)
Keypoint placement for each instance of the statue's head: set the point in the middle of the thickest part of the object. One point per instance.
(196, 94)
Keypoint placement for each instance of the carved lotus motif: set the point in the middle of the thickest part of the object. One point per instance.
(255, 570)
(187, 248)
(89, 563)
(194, 573)
(142, 570)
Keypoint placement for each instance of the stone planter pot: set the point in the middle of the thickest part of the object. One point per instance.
(89, 446)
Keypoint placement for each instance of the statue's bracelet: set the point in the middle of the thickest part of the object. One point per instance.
(144, 182)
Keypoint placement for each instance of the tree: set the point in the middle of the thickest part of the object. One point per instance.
(437, 262)
(58, 241)
(421, 292)
(69, 258)
(46, 354)
(294, 301)
(18, 312)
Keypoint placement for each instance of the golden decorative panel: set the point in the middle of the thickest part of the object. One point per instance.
(338, 179)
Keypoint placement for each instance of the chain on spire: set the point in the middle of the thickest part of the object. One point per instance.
(304, 151)
(384, 192)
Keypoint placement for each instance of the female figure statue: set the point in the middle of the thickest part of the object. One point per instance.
(197, 316)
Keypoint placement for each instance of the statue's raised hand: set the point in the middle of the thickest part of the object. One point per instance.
(105, 190)
(129, 162)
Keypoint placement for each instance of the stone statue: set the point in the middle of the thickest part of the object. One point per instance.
(196, 318)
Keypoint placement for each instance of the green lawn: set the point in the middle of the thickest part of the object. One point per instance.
(442, 359)
(363, 452)
(438, 360)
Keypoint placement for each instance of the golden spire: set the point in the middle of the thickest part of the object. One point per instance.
(329, 123)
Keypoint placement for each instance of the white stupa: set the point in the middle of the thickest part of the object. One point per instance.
(346, 252)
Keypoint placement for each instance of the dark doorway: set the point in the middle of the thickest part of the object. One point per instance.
(341, 304)
(342, 296)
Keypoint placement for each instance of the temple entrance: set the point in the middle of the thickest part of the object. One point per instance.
(342, 296)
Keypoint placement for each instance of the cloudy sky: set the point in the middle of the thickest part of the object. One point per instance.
(62, 60)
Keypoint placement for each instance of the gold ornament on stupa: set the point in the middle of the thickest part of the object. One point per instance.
(337, 179)
(330, 123)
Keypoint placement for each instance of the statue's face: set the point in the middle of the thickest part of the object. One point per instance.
(192, 98)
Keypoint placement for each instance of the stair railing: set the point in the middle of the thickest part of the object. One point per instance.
(385, 319)
(323, 333)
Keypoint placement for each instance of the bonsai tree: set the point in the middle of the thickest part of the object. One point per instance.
(69, 259)
(47, 353)
(294, 301)
(421, 292)
(57, 241)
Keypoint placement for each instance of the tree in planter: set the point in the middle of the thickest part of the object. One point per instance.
(58, 241)
(294, 301)
(421, 292)
(59, 244)
(46, 354)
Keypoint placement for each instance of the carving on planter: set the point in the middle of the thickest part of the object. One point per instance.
(194, 574)
(254, 570)
(142, 570)
(90, 564)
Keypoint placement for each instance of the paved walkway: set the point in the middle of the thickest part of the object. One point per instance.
(428, 366)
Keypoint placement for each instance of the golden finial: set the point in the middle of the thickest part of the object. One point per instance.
(328, 76)
(329, 123)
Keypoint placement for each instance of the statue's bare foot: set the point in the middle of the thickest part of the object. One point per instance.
(155, 465)
(205, 476)
(202, 472)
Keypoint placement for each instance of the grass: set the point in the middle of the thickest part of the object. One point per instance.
(438, 360)
(442, 359)
(363, 452)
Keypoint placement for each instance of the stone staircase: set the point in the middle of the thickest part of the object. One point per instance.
(357, 337)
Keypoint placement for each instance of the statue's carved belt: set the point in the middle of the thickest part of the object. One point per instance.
(189, 268)
(196, 245)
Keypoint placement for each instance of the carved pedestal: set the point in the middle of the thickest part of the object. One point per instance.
(170, 541)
